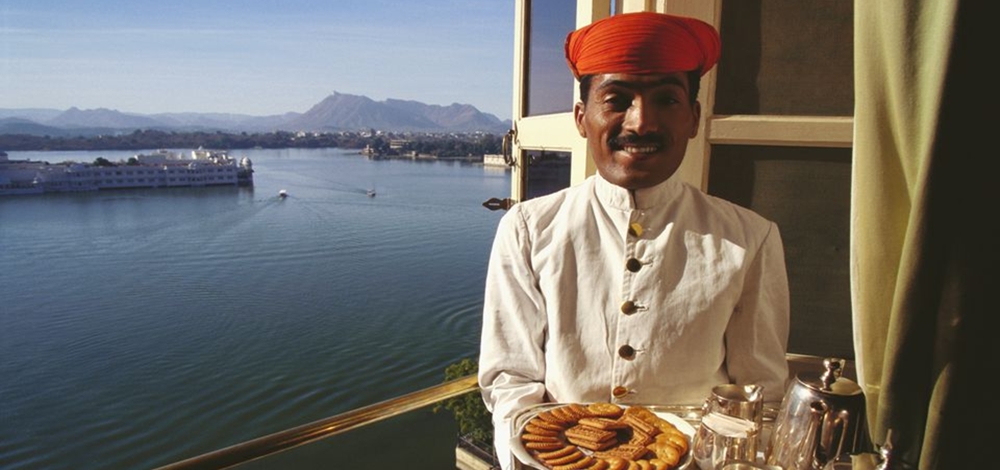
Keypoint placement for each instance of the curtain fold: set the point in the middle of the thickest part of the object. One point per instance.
(921, 242)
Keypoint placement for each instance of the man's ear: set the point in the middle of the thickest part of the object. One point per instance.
(578, 110)
(696, 110)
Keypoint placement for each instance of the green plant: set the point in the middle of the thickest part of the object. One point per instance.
(474, 420)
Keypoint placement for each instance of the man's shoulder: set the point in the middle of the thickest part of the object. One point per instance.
(726, 211)
(557, 200)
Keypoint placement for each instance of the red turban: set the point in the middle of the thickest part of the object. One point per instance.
(643, 43)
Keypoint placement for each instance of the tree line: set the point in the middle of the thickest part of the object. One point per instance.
(441, 145)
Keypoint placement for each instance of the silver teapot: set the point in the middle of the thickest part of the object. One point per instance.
(822, 419)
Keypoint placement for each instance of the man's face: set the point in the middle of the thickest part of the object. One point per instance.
(637, 126)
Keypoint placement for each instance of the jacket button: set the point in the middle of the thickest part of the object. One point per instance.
(633, 265)
(635, 229)
(626, 352)
(629, 307)
(619, 391)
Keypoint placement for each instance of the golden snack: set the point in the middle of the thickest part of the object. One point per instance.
(539, 422)
(528, 437)
(538, 430)
(579, 410)
(555, 454)
(581, 464)
(607, 410)
(640, 438)
(660, 464)
(603, 436)
(564, 415)
(535, 445)
(616, 463)
(666, 452)
(675, 439)
(598, 465)
(641, 425)
(588, 433)
(603, 423)
(574, 456)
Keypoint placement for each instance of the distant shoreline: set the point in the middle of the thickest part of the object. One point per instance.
(437, 144)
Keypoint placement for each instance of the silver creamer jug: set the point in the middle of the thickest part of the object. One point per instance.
(822, 417)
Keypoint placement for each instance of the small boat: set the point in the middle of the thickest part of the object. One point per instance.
(282, 194)
(371, 193)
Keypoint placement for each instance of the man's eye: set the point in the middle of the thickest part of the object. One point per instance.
(617, 102)
(668, 99)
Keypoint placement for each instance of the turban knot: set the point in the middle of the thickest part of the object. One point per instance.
(643, 43)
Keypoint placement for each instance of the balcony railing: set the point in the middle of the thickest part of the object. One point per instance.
(284, 440)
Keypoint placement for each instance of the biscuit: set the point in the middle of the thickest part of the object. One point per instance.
(638, 423)
(591, 444)
(666, 452)
(640, 438)
(540, 431)
(605, 410)
(539, 422)
(579, 410)
(641, 412)
(624, 451)
(529, 437)
(555, 454)
(677, 440)
(598, 465)
(660, 464)
(566, 459)
(549, 417)
(603, 423)
(588, 433)
(536, 445)
(603, 436)
(581, 464)
(563, 414)
(616, 463)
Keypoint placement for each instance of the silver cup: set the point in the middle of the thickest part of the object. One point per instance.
(731, 422)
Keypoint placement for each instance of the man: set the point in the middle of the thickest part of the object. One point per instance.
(632, 287)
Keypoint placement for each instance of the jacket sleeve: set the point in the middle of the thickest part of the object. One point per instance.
(511, 359)
(757, 335)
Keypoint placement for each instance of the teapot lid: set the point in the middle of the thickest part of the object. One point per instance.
(830, 380)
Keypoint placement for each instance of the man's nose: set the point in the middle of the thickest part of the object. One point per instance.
(640, 117)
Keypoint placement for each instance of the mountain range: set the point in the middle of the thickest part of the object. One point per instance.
(337, 112)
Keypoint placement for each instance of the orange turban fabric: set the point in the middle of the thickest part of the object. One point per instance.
(643, 43)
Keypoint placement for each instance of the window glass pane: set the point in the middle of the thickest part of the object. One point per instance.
(549, 83)
(806, 191)
(786, 57)
(548, 172)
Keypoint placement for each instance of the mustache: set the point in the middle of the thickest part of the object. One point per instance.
(620, 141)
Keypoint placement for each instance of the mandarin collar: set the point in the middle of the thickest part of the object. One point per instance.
(641, 199)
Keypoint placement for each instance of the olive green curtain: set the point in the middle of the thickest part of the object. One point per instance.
(923, 249)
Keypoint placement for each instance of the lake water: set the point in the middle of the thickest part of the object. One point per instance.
(142, 327)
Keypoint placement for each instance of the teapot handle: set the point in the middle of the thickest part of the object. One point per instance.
(814, 434)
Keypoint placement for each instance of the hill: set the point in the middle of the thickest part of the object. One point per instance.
(337, 112)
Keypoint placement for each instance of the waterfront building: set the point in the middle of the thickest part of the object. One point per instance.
(159, 169)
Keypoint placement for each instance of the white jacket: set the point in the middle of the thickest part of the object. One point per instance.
(595, 295)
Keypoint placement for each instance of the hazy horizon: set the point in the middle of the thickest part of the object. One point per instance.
(253, 58)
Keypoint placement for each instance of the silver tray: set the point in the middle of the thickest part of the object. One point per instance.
(685, 418)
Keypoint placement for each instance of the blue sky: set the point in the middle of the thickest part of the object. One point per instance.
(253, 56)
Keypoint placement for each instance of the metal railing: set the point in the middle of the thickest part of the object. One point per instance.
(284, 440)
